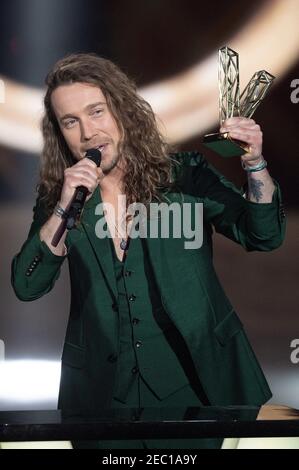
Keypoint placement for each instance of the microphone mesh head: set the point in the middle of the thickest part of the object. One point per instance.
(94, 155)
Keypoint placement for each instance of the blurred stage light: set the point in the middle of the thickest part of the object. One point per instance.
(29, 381)
(186, 105)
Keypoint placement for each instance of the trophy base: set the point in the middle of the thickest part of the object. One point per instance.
(222, 144)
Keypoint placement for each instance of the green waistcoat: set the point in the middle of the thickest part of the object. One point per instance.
(144, 329)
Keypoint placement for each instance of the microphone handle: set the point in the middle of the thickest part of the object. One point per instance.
(81, 192)
(76, 206)
(74, 211)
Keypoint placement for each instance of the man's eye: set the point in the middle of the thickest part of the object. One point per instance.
(97, 112)
(70, 123)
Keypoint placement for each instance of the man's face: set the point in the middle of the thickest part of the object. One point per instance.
(86, 122)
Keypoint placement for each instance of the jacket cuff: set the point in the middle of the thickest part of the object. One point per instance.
(42, 248)
(267, 219)
(266, 206)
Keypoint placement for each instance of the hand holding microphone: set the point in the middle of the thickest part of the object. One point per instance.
(79, 180)
(89, 182)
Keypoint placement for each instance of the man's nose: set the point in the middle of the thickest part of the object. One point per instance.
(87, 131)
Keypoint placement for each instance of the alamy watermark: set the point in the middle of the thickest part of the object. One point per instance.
(295, 353)
(157, 220)
(295, 93)
(2, 350)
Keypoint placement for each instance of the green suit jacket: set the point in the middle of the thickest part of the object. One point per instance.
(190, 291)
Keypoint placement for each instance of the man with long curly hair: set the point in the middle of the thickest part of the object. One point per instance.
(149, 324)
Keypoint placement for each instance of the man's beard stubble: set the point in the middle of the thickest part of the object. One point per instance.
(109, 166)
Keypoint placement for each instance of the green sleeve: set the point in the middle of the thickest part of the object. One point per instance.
(256, 226)
(35, 268)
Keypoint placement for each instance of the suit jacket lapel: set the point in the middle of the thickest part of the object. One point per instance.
(154, 248)
(101, 246)
(159, 253)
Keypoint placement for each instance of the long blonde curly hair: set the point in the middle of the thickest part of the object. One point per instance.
(148, 161)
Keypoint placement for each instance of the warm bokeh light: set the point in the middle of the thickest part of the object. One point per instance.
(186, 105)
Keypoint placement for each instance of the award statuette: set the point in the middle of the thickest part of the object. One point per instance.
(232, 104)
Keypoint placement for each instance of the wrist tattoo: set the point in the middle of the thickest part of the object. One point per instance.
(255, 189)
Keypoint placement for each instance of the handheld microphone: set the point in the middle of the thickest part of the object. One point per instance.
(81, 192)
(77, 203)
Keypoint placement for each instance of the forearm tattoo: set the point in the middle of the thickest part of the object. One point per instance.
(255, 189)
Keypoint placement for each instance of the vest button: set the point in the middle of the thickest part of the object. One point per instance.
(135, 370)
(132, 298)
(135, 321)
(128, 273)
(112, 358)
(138, 344)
